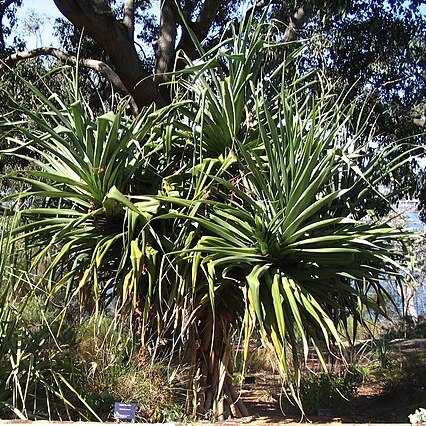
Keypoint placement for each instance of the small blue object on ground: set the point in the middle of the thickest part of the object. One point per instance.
(124, 411)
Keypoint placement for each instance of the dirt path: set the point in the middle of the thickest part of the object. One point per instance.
(385, 397)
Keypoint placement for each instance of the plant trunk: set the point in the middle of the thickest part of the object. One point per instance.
(212, 394)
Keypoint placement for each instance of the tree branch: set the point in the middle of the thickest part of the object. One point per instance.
(296, 23)
(129, 17)
(165, 45)
(206, 17)
(200, 28)
(94, 64)
(204, 21)
(100, 23)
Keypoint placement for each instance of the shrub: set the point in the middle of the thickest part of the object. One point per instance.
(406, 328)
(112, 369)
(332, 391)
(405, 371)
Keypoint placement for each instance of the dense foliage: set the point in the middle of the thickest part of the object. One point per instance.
(248, 203)
(376, 48)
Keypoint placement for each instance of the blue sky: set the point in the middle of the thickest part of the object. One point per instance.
(48, 12)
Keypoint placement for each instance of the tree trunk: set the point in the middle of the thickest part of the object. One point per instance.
(213, 394)
(99, 23)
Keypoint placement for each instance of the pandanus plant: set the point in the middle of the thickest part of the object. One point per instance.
(277, 226)
(245, 205)
(81, 163)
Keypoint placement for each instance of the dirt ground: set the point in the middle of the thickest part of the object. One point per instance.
(377, 401)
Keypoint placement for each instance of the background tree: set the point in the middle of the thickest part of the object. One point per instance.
(376, 48)
(7, 23)
(379, 50)
(124, 62)
(375, 44)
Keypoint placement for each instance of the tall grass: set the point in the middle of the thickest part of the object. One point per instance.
(33, 369)
(52, 367)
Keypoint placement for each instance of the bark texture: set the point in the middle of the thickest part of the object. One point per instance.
(212, 394)
(125, 69)
(100, 23)
(296, 23)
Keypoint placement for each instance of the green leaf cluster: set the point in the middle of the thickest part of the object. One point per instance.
(251, 197)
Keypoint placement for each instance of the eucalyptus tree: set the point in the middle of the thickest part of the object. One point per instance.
(127, 42)
(246, 204)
